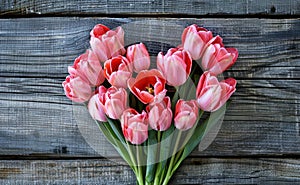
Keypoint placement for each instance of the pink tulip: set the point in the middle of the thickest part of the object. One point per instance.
(139, 56)
(134, 126)
(212, 94)
(117, 71)
(160, 115)
(113, 101)
(76, 89)
(175, 65)
(88, 67)
(148, 86)
(107, 43)
(217, 59)
(96, 109)
(186, 114)
(195, 40)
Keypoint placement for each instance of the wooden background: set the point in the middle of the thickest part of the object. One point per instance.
(40, 141)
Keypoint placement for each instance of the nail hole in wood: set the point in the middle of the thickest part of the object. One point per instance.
(273, 9)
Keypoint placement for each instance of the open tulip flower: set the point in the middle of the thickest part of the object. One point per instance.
(151, 115)
(148, 86)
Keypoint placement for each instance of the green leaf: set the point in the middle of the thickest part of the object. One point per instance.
(113, 139)
(151, 155)
(124, 146)
(106, 132)
(197, 78)
(190, 90)
(175, 99)
(116, 127)
(214, 118)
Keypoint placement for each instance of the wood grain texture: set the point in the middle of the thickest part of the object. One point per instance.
(194, 171)
(181, 7)
(37, 119)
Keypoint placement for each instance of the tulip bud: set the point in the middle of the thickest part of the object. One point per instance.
(134, 126)
(196, 39)
(77, 89)
(107, 43)
(175, 65)
(96, 109)
(212, 94)
(160, 115)
(117, 71)
(114, 102)
(88, 67)
(217, 59)
(186, 114)
(138, 55)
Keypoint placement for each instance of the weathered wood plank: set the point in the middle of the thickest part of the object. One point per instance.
(38, 122)
(37, 119)
(181, 7)
(193, 171)
(268, 48)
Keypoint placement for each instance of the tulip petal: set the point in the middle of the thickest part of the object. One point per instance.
(99, 48)
(95, 109)
(195, 39)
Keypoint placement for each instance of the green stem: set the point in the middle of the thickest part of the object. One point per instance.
(149, 183)
(177, 164)
(158, 169)
(169, 172)
(158, 136)
(156, 178)
(162, 176)
(139, 165)
(178, 155)
(179, 158)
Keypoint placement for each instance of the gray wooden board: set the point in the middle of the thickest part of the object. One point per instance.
(181, 7)
(193, 171)
(37, 119)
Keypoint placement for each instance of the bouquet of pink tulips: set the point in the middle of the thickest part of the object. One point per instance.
(152, 116)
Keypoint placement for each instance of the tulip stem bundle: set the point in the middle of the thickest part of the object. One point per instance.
(152, 116)
(170, 168)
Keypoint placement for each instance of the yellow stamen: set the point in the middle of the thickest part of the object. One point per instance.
(150, 90)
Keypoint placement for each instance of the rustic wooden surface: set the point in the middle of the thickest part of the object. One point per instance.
(40, 137)
(152, 7)
(194, 171)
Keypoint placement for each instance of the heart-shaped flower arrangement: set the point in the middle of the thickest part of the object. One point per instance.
(152, 116)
